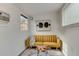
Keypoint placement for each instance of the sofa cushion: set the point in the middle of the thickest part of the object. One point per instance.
(49, 43)
(45, 38)
(54, 38)
(38, 38)
(38, 43)
(48, 38)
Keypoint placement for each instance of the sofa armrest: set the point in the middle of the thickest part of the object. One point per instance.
(27, 42)
(58, 42)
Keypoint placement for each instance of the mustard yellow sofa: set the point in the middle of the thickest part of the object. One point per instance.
(48, 40)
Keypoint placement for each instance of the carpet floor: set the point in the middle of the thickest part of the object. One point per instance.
(33, 52)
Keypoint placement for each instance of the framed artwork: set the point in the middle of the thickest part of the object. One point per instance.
(43, 25)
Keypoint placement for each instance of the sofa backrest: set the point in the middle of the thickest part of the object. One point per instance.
(45, 38)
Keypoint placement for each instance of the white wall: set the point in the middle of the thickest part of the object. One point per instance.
(53, 16)
(11, 38)
(71, 35)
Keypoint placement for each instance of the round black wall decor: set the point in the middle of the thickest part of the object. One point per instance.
(46, 24)
(40, 25)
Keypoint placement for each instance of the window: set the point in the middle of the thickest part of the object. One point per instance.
(24, 23)
(70, 14)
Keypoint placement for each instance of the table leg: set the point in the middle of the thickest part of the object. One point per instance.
(37, 52)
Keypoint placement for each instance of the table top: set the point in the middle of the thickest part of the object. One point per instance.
(41, 47)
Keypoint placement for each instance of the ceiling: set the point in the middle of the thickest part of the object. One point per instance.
(36, 8)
